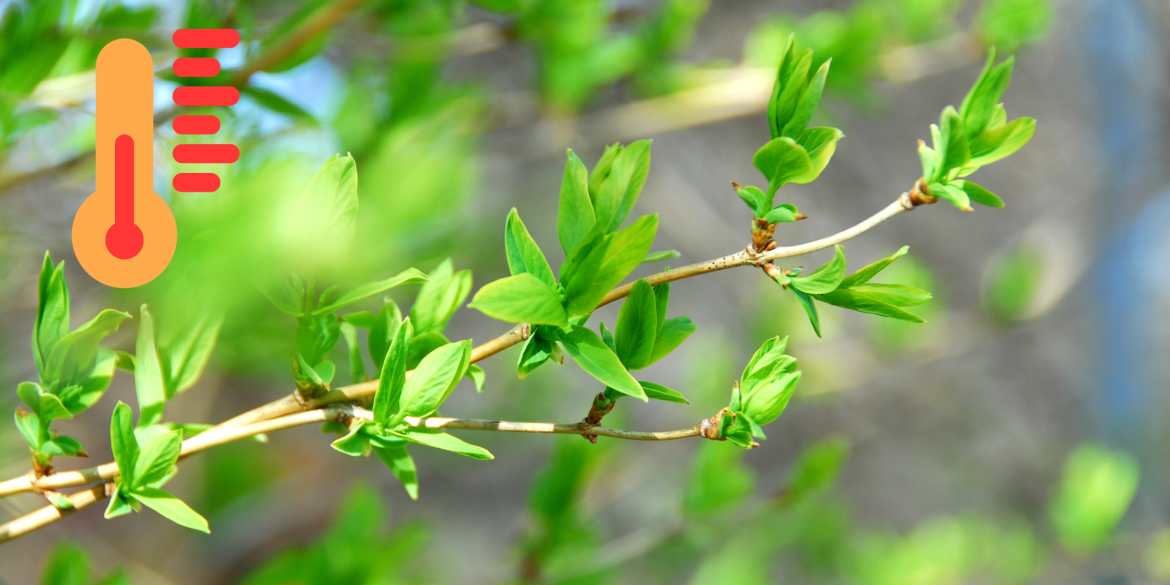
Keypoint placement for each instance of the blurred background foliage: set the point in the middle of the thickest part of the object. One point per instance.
(1017, 437)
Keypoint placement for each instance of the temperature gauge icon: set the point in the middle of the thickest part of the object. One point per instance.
(124, 234)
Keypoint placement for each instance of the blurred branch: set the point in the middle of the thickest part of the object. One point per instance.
(321, 21)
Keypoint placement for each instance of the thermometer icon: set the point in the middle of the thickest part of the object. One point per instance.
(124, 233)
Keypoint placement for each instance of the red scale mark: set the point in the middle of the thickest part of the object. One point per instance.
(195, 124)
(206, 153)
(196, 182)
(205, 38)
(124, 238)
(196, 67)
(206, 95)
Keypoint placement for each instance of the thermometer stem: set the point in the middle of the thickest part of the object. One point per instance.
(124, 180)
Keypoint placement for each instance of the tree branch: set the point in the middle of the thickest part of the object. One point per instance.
(108, 472)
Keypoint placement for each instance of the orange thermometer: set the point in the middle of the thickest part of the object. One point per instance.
(124, 234)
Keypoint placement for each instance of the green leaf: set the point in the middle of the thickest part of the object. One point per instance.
(52, 321)
(767, 364)
(74, 356)
(1096, 489)
(900, 295)
(931, 162)
(157, 459)
(821, 144)
(63, 446)
(823, 279)
(810, 309)
(123, 443)
(809, 100)
(357, 366)
(816, 470)
(602, 170)
(317, 336)
(769, 399)
(591, 353)
(118, 506)
(661, 302)
(30, 428)
(435, 378)
(522, 298)
(477, 376)
(999, 143)
(283, 296)
(307, 380)
(954, 195)
(850, 298)
(637, 327)
(866, 274)
(185, 353)
(382, 332)
(47, 407)
(785, 213)
(782, 160)
(332, 199)
(398, 460)
(756, 200)
(980, 195)
(410, 275)
(660, 256)
(958, 152)
(171, 508)
(440, 440)
(148, 374)
(388, 398)
(524, 255)
(421, 345)
(277, 103)
(672, 334)
(660, 392)
(354, 443)
(362, 319)
(978, 106)
(79, 397)
(625, 251)
(536, 351)
(575, 216)
(579, 273)
(439, 298)
(616, 195)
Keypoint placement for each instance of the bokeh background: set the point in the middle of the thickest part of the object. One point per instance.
(1017, 437)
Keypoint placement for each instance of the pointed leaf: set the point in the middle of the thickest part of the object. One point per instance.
(637, 327)
(409, 275)
(591, 353)
(171, 508)
(575, 215)
(522, 298)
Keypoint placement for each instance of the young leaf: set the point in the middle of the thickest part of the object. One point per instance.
(785, 213)
(810, 309)
(756, 200)
(357, 366)
(768, 363)
(440, 440)
(672, 334)
(637, 327)
(385, 326)
(980, 195)
(660, 256)
(157, 459)
(782, 160)
(850, 298)
(769, 399)
(536, 351)
(74, 355)
(52, 321)
(47, 407)
(354, 443)
(522, 298)
(401, 465)
(660, 392)
(809, 100)
(823, 279)
(439, 298)
(410, 275)
(123, 442)
(575, 216)
(579, 273)
(477, 376)
(591, 353)
(186, 352)
(821, 144)
(524, 255)
(119, 506)
(148, 374)
(619, 190)
(171, 508)
(866, 274)
(625, 251)
(435, 378)
(388, 398)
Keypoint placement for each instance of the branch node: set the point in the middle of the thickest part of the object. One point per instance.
(709, 428)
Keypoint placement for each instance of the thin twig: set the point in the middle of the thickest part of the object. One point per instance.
(108, 472)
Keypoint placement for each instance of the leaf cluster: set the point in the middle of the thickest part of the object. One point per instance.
(976, 135)
(763, 392)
